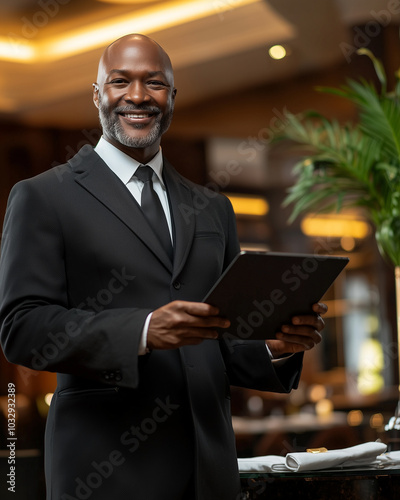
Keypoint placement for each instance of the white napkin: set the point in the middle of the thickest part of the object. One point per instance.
(360, 455)
(391, 459)
(268, 463)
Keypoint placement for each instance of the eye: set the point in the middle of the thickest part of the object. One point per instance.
(117, 81)
(156, 83)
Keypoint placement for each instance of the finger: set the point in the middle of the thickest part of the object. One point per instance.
(284, 344)
(305, 341)
(301, 331)
(204, 315)
(191, 321)
(320, 308)
(314, 321)
(198, 308)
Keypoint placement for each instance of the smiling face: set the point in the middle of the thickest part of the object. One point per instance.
(135, 95)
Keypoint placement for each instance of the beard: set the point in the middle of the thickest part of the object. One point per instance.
(113, 128)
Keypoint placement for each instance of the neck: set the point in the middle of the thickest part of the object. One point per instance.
(141, 155)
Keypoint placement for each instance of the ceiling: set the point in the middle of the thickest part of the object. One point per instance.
(49, 49)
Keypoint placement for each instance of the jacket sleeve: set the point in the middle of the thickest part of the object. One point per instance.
(249, 365)
(38, 328)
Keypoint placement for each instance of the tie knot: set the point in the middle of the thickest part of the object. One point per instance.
(144, 173)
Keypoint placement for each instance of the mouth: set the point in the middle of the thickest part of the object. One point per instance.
(142, 117)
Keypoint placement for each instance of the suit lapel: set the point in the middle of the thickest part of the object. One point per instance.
(94, 176)
(183, 215)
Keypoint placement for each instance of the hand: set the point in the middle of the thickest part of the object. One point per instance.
(182, 323)
(303, 334)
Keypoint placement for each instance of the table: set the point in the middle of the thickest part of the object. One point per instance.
(349, 484)
(299, 422)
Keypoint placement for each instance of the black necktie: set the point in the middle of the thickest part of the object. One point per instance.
(152, 208)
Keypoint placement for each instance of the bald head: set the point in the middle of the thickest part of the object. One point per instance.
(130, 45)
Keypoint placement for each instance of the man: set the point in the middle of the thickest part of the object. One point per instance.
(89, 290)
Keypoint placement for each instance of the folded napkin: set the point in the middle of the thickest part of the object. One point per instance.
(391, 459)
(268, 463)
(361, 455)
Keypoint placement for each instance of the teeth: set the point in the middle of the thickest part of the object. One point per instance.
(136, 116)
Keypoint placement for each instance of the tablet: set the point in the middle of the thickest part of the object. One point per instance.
(261, 291)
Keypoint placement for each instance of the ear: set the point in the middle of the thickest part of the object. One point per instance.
(174, 91)
(96, 95)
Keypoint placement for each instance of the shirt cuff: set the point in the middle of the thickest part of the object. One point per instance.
(277, 361)
(269, 352)
(143, 349)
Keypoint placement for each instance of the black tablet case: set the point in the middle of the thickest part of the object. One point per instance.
(260, 292)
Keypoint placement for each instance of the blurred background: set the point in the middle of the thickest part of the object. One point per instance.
(238, 65)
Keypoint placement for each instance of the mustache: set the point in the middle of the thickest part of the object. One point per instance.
(134, 109)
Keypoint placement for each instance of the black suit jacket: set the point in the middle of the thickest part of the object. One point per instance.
(80, 271)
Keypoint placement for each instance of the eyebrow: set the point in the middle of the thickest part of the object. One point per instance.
(150, 73)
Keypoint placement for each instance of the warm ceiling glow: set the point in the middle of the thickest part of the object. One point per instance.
(337, 226)
(277, 52)
(16, 50)
(248, 205)
(126, 1)
(89, 37)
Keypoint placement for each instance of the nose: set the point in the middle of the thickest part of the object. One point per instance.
(137, 93)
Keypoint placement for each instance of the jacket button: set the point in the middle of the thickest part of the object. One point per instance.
(176, 285)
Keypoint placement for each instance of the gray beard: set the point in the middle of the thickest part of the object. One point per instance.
(112, 127)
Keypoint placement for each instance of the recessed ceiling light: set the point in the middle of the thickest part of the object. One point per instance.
(277, 52)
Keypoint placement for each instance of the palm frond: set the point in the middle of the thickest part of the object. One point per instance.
(352, 164)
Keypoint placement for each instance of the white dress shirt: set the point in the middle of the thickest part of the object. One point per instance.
(125, 167)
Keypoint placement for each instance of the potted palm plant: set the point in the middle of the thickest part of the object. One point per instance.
(353, 165)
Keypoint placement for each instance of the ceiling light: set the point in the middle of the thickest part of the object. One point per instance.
(248, 205)
(147, 20)
(335, 226)
(16, 50)
(277, 52)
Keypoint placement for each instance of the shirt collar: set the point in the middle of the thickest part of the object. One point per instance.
(123, 165)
